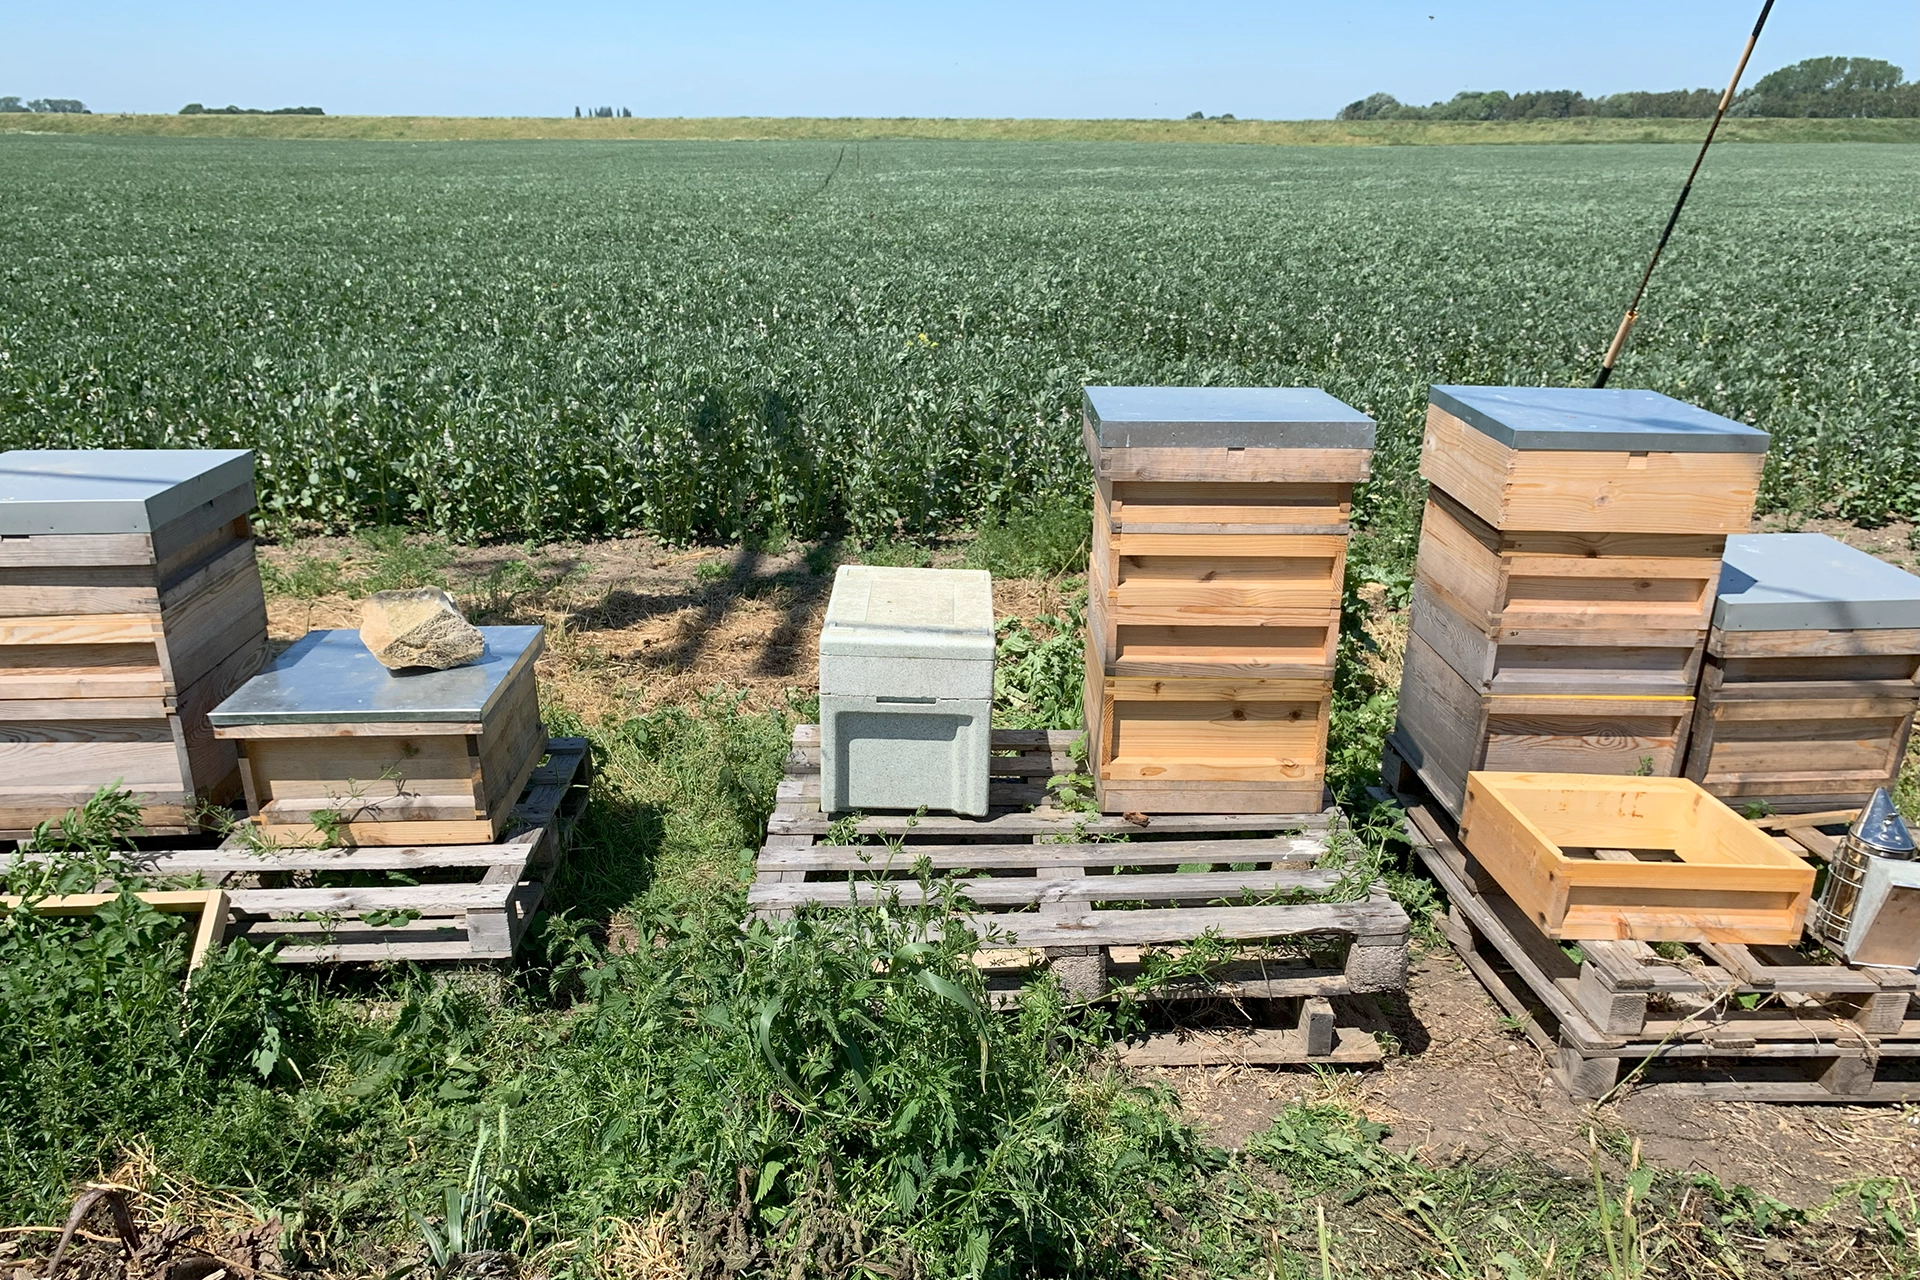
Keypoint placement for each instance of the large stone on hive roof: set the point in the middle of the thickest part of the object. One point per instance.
(418, 628)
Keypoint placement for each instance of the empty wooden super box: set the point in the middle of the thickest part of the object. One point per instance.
(1812, 677)
(334, 748)
(1652, 859)
(130, 604)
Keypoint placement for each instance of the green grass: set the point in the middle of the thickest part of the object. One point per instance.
(774, 340)
(823, 1097)
(855, 129)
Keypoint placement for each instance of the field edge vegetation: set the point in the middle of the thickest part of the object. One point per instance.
(1351, 133)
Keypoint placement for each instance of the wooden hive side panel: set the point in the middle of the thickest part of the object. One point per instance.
(1506, 580)
(1442, 721)
(423, 778)
(511, 745)
(1304, 649)
(1228, 465)
(1224, 577)
(1223, 507)
(184, 544)
(221, 609)
(1685, 493)
(1807, 743)
(1200, 729)
(1515, 853)
(1603, 735)
(61, 763)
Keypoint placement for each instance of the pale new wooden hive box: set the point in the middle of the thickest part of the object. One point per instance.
(385, 758)
(1582, 459)
(1651, 859)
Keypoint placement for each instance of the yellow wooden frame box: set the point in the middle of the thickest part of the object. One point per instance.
(1651, 859)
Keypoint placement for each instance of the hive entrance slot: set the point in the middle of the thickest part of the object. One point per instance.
(1622, 855)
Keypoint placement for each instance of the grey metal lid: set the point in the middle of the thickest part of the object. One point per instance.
(1224, 417)
(1880, 828)
(881, 612)
(329, 678)
(112, 490)
(1810, 582)
(1588, 419)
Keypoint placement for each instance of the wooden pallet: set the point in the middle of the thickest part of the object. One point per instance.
(1085, 895)
(476, 903)
(1818, 1032)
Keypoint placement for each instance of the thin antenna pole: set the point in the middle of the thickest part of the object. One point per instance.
(1726, 100)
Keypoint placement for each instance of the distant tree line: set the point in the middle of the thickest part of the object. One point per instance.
(11, 104)
(195, 109)
(1851, 88)
(604, 113)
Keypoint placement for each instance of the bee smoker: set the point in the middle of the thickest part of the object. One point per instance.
(1877, 835)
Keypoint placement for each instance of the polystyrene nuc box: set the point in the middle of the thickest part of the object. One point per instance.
(906, 690)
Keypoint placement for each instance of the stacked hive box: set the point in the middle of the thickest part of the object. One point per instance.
(336, 749)
(1219, 549)
(1567, 567)
(130, 604)
(1812, 675)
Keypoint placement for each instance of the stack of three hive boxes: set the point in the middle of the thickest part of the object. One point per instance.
(1220, 530)
(1569, 558)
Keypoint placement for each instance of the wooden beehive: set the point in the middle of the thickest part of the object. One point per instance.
(1651, 859)
(1582, 460)
(336, 749)
(130, 604)
(1812, 678)
(1219, 553)
(1568, 560)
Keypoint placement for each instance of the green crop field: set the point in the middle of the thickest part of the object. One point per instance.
(713, 341)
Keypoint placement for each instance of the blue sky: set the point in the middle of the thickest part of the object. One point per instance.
(1271, 61)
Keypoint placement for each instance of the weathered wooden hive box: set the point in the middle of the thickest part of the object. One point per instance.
(130, 603)
(1568, 561)
(1812, 675)
(906, 689)
(1221, 520)
(1651, 859)
(335, 749)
